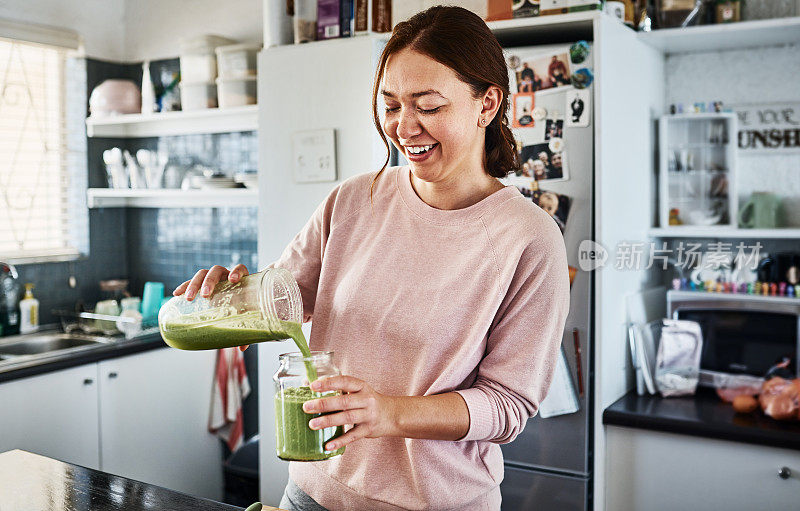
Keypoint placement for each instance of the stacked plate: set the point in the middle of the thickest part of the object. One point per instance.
(217, 181)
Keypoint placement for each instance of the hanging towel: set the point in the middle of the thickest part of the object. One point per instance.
(230, 389)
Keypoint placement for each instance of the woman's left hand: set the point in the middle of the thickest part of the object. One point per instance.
(372, 413)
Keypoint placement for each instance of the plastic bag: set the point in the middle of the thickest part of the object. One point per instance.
(678, 358)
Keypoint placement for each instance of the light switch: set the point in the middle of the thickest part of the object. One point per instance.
(314, 156)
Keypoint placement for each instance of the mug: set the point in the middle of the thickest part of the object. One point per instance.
(760, 212)
(151, 299)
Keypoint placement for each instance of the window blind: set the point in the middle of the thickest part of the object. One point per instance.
(38, 220)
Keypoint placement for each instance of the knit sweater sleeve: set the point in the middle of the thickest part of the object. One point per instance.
(524, 340)
(303, 256)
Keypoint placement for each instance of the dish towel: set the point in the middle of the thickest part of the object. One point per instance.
(230, 389)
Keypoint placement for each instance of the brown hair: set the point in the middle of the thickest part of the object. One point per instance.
(460, 40)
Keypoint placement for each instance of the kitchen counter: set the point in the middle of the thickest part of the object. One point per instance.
(30, 481)
(56, 361)
(703, 415)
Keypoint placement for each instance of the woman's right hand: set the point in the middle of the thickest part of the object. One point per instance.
(205, 280)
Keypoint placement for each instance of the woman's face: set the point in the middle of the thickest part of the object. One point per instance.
(432, 117)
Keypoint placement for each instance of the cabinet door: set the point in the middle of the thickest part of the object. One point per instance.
(664, 471)
(153, 420)
(54, 414)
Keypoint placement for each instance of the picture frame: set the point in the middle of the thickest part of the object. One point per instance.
(540, 163)
(523, 104)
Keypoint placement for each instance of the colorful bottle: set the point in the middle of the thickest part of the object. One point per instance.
(28, 312)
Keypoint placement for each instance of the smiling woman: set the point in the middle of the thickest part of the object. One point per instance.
(442, 293)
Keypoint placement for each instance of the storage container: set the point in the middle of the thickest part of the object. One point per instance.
(237, 60)
(264, 306)
(198, 95)
(236, 92)
(198, 60)
(295, 440)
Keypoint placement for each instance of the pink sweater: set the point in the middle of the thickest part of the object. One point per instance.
(419, 301)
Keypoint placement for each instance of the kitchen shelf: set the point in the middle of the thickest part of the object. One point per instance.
(211, 120)
(678, 294)
(716, 231)
(725, 36)
(568, 27)
(215, 198)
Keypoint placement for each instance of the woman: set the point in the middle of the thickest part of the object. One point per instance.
(442, 292)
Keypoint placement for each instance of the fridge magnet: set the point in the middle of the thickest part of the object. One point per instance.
(578, 52)
(543, 72)
(556, 145)
(579, 108)
(554, 129)
(582, 78)
(539, 113)
(543, 164)
(523, 106)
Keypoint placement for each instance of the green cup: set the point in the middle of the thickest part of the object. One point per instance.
(760, 212)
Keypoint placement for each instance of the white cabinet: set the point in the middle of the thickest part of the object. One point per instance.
(54, 414)
(154, 417)
(141, 416)
(664, 471)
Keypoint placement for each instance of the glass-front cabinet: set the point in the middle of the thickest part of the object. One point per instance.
(697, 185)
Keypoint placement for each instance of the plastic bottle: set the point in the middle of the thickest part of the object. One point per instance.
(148, 91)
(9, 299)
(29, 312)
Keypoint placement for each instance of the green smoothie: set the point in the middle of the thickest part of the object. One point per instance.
(216, 328)
(295, 440)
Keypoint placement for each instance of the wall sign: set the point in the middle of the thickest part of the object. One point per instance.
(769, 127)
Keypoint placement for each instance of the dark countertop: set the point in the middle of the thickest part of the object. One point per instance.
(704, 415)
(34, 482)
(56, 361)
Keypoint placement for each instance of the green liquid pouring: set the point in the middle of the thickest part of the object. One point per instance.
(203, 331)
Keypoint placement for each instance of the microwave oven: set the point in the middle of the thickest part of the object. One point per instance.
(742, 334)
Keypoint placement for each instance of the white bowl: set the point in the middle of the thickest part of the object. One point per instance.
(115, 96)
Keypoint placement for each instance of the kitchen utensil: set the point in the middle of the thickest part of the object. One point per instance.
(134, 171)
(152, 164)
(115, 168)
(762, 211)
(114, 97)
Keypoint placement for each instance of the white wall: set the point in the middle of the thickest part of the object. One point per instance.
(344, 104)
(134, 30)
(153, 28)
(99, 22)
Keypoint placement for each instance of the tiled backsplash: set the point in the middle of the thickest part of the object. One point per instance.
(170, 245)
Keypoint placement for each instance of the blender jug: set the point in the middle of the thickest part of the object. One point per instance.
(264, 306)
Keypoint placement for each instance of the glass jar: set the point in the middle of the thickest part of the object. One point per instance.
(264, 306)
(295, 441)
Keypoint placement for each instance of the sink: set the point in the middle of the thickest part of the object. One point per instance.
(40, 344)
